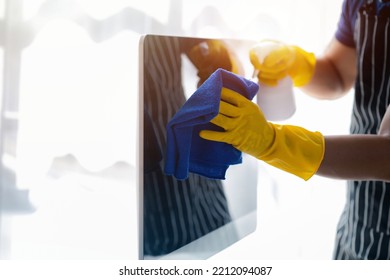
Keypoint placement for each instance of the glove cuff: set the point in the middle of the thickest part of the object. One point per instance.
(295, 150)
(303, 67)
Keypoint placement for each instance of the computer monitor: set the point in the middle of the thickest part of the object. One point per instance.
(197, 217)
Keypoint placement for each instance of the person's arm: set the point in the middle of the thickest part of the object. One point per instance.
(297, 150)
(329, 76)
(358, 157)
(335, 72)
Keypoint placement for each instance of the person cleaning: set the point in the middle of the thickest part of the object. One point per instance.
(358, 57)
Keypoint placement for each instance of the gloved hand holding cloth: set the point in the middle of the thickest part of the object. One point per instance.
(186, 151)
(290, 148)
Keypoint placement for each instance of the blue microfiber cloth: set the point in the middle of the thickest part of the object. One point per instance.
(186, 150)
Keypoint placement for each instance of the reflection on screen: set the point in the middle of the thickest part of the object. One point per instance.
(192, 218)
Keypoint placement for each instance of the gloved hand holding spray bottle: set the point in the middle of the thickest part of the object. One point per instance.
(276, 97)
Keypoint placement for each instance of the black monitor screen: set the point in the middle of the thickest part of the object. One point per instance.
(195, 217)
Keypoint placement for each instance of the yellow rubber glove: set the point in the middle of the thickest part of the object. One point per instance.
(281, 61)
(210, 55)
(290, 148)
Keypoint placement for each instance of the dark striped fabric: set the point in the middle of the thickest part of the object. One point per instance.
(175, 212)
(364, 227)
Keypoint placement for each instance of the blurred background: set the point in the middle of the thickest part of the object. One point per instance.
(68, 124)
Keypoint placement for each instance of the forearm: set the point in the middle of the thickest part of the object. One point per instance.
(326, 83)
(356, 157)
(334, 74)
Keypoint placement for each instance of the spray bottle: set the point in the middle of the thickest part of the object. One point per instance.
(277, 102)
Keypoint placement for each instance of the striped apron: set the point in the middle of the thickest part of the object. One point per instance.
(364, 228)
(176, 212)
